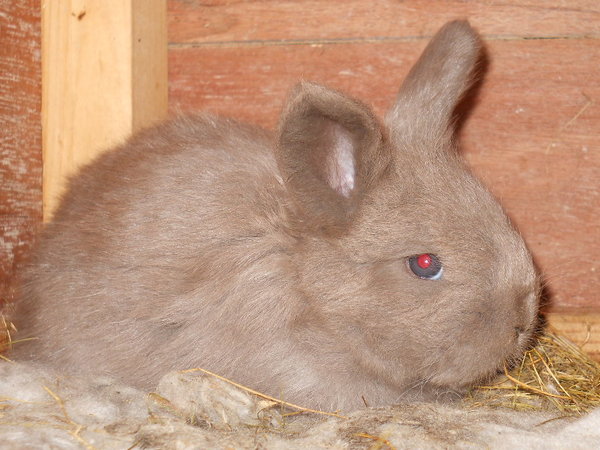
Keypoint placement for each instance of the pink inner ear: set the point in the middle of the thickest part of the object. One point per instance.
(340, 161)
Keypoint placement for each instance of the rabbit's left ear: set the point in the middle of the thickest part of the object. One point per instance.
(330, 151)
(426, 101)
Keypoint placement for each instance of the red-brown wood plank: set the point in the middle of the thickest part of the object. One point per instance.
(226, 21)
(533, 133)
(20, 135)
(537, 140)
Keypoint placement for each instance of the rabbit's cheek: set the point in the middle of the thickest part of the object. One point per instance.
(490, 338)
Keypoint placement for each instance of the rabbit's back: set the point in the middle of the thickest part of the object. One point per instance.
(160, 219)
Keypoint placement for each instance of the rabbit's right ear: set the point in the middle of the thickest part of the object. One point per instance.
(330, 151)
(426, 101)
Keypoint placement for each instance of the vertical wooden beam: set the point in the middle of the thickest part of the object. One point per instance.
(149, 62)
(104, 76)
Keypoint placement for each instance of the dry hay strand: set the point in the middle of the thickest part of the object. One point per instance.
(555, 374)
(7, 329)
(298, 409)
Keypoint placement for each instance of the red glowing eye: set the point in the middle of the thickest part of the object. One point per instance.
(424, 261)
(426, 266)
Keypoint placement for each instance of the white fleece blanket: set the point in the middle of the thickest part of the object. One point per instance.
(41, 409)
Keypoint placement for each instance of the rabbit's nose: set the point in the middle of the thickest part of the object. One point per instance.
(519, 332)
(524, 334)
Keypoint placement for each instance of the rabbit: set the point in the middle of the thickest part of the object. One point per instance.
(343, 260)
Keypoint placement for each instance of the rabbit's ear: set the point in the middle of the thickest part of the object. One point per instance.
(330, 151)
(426, 101)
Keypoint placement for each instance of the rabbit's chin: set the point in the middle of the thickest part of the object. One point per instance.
(450, 392)
(460, 378)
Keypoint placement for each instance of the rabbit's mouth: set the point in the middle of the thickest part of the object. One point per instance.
(476, 362)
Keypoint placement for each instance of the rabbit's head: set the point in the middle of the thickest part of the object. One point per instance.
(405, 260)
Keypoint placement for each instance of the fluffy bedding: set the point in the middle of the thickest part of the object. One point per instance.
(42, 409)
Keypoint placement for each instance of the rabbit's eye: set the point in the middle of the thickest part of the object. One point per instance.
(426, 266)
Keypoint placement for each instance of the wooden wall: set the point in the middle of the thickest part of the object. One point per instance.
(20, 133)
(533, 133)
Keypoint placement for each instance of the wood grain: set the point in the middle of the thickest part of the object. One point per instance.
(104, 77)
(581, 328)
(266, 22)
(20, 135)
(532, 128)
(532, 131)
(149, 73)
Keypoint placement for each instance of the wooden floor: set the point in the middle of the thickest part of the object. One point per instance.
(582, 328)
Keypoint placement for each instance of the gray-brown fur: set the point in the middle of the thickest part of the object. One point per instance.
(206, 243)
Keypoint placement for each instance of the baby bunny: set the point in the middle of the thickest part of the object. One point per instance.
(342, 259)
